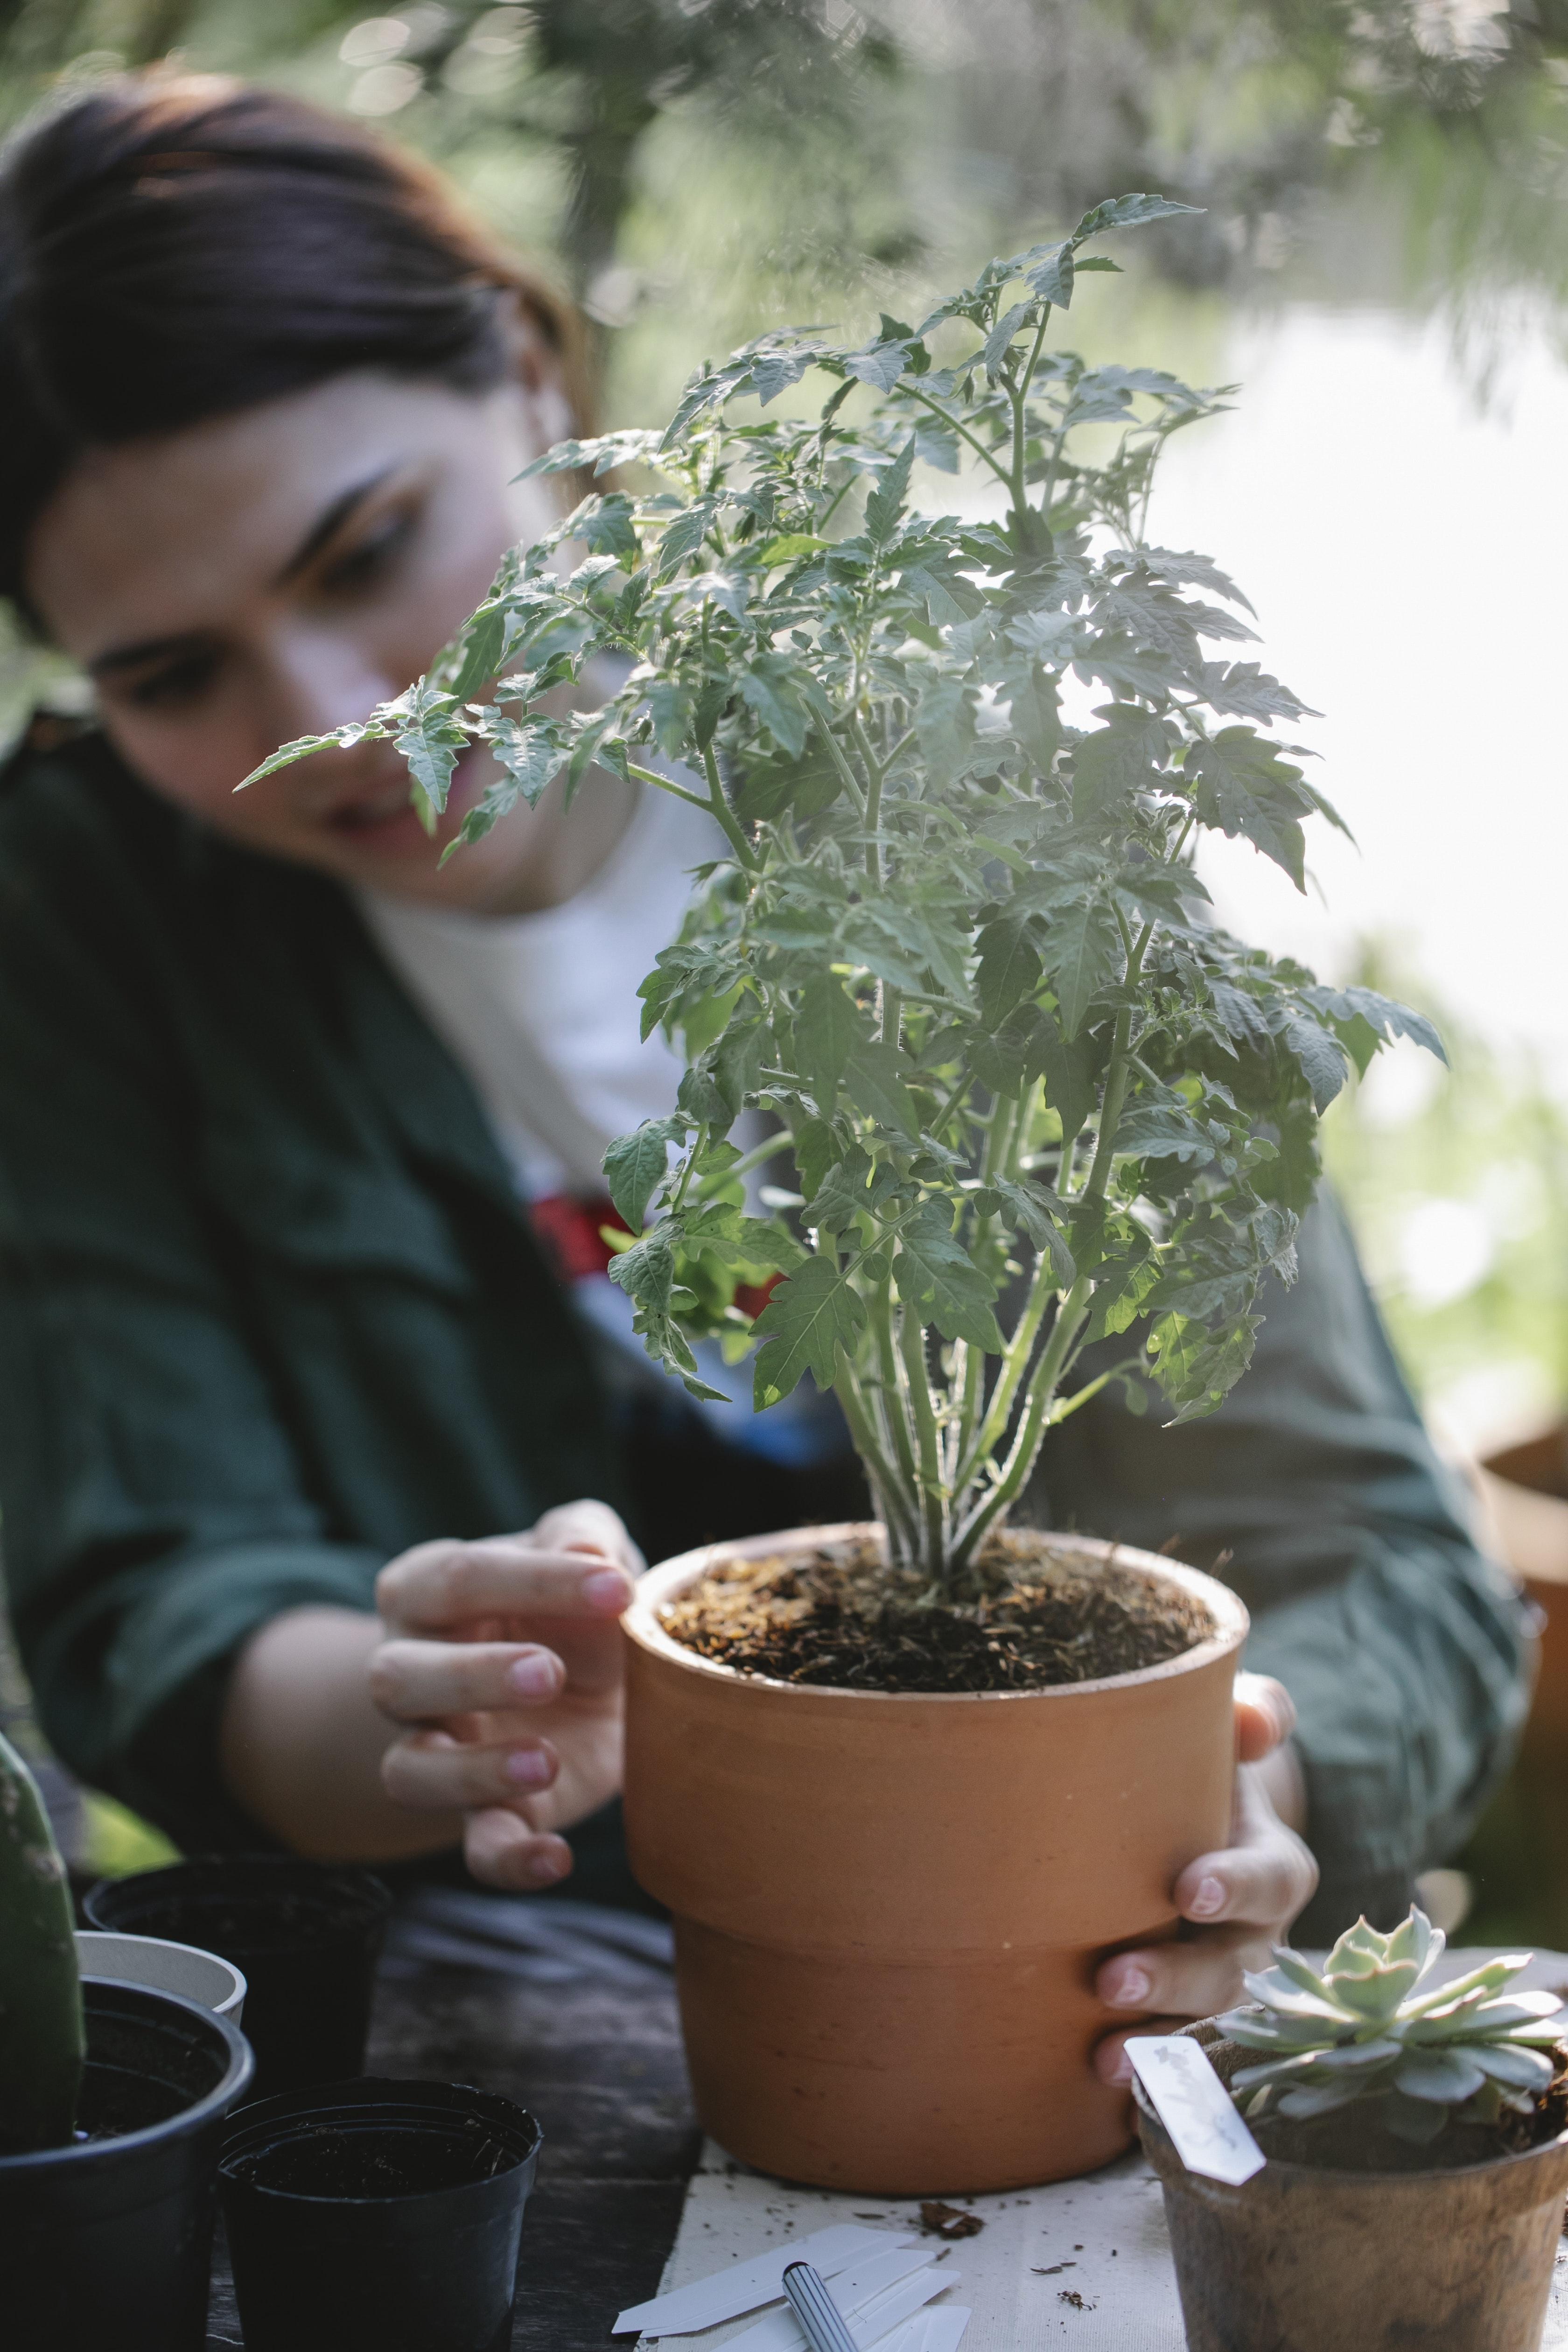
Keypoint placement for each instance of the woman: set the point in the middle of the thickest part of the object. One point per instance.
(280, 1349)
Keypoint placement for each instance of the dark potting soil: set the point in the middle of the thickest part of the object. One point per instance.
(1026, 1617)
(382, 2159)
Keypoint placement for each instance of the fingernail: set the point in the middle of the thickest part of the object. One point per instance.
(545, 1868)
(1130, 1990)
(529, 1768)
(606, 1589)
(1208, 1899)
(532, 1677)
(1122, 2071)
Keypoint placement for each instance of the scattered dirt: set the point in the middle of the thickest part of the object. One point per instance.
(1550, 2115)
(948, 2220)
(1027, 1616)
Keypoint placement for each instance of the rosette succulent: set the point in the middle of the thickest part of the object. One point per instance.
(1359, 2028)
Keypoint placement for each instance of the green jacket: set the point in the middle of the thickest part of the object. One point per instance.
(271, 1315)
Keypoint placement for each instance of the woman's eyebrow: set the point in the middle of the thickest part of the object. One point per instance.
(328, 524)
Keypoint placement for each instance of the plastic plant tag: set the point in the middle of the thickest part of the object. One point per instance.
(852, 2289)
(1194, 2107)
(686, 2310)
(872, 2313)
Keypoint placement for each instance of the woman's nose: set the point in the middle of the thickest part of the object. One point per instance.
(322, 678)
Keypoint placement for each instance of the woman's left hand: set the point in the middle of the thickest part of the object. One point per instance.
(1241, 1898)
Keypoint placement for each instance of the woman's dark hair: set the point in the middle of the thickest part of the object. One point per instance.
(175, 248)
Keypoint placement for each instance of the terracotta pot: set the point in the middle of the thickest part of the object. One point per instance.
(889, 1907)
(1303, 2258)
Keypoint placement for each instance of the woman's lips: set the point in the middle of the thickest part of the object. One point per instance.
(387, 818)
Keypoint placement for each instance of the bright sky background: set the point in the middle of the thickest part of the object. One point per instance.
(1403, 548)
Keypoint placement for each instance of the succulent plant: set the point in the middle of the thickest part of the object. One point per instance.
(1359, 2029)
(41, 2036)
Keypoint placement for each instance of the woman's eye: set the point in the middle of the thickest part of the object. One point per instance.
(178, 682)
(374, 554)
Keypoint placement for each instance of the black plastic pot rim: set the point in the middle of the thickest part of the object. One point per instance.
(1341, 2176)
(291, 2113)
(191, 1879)
(211, 2105)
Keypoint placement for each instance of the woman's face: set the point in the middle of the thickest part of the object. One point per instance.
(280, 571)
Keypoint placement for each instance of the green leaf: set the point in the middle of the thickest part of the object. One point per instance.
(1082, 954)
(944, 724)
(1318, 1057)
(886, 502)
(1009, 967)
(877, 1072)
(1051, 276)
(938, 1279)
(771, 686)
(647, 1272)
(1244, 787)
(1127, 212)
(1116, 762)
(1069, 1070)
(483, 644)
(635, 1166)
(813, 1318)
(827, 1029)
(532, 751)
(1034, 1208)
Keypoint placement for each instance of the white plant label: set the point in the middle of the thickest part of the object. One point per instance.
(1194, 2107)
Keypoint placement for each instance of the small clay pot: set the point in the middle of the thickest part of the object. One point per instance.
(889, 1907)
(1316, 2258)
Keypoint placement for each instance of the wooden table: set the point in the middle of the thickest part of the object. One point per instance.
(601, 2067)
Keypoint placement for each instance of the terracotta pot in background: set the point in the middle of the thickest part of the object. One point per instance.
(889, 1907)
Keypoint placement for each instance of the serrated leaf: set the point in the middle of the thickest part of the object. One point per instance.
(886, 502)
(878, 1074)
(1127, 212)
(945, 1289)
(813, 1318)
(1318, 1057)
(1082, 954)
(636, 1164)
(770, 684)
(827, 1029)
(1009, 970)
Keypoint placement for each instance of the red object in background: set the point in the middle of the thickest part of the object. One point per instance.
(571, 1231)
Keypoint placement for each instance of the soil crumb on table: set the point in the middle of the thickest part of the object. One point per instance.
(1027, 1616)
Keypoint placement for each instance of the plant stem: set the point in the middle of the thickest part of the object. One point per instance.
(1071, 1315)
(724, 814)
(914, 392)
(933, 1502)
(902, 1531)
(897, 1415)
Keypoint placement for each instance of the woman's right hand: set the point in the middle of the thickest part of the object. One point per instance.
(500, 1668)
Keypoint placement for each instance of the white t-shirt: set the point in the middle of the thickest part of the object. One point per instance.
(542, 1012)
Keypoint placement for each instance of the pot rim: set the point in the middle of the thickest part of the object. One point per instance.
(661, 1584)
(289, 2114)
(89, 1947)
(230, 2086)
(1341, 2176)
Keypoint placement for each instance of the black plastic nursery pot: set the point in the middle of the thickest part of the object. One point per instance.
(306, 1936)
(377, 2216)
(108, 2242)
